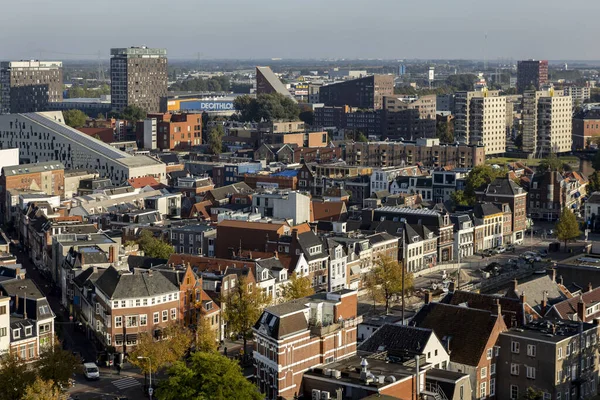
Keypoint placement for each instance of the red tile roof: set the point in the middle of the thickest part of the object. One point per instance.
(142, 182)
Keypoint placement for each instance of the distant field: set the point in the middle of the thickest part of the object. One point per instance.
(533, 162)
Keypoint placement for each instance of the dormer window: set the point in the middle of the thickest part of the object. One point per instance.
(415, 239)
(16, 333)
(209, 305)
(28, 331)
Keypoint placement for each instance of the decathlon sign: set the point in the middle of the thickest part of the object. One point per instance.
(199, 105)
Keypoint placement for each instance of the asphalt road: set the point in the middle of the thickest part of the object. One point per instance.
(110, 385)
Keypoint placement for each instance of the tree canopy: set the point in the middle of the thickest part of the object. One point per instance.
(385, 280)
(479, 176)
(154, 247)
(42, 390)
(567, 227)
(243, 306)
(207, 376)
(267, 107)
(75, 118)
(594, 182)
(132, 114)
(78, 91)
(215, 139)
(174, 343)
(297, 287)
(56, 364)
(213, 84)
(15, 376)
(552, 163)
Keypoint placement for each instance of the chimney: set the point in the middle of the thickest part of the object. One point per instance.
(111, 254)
(552, 274)
(561, 281)
(363, 370)
(276, 255)
(544, 302)
(452, 287)
(589, 288)
(581, 309)
(499, 307)
(523, 298)
(515, 285)
(428, 297)
(295, 234)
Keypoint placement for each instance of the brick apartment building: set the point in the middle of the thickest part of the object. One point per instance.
(175, 131)
(586, 128)
(531, 72)
(364, 92)
(504, 190)
(293, 337)
(428, 152)
(253, 236)
(47, 177)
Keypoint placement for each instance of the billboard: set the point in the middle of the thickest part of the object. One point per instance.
(206, 105)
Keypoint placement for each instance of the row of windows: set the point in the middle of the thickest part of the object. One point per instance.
(132, 321)
(142, 302)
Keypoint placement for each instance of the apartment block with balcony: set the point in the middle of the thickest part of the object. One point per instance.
(193, 239)
(293, 337)
(547, 122)
(557, 357)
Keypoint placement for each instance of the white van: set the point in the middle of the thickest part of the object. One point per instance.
(91, 371)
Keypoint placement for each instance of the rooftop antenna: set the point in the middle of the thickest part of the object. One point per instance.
(485, 53)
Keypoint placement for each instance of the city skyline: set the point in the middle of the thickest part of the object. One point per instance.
(338, 30)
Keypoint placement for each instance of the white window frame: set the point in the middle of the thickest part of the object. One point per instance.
(514, 369)
(493, 387)
(118, 321)
(156, 317)
(515, 347)
(493, 369)
(165, 315)
(483, 372)
(143, 320)
(173, 314)
(530, 372)
(531, 350)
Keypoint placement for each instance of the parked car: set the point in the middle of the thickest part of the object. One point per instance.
(91, 371)
(500, 250)
(510, 247)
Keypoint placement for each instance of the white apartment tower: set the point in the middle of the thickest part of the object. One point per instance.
(547, 122)
(481, 119)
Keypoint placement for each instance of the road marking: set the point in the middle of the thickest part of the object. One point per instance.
(126, 383)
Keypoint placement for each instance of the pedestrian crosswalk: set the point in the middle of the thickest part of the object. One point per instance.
(126, 383)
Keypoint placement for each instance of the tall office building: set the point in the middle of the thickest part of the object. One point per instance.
(28, 86)
(531, 72)
(138, 77)
(364, 92)
(481, 119)
(547, 122)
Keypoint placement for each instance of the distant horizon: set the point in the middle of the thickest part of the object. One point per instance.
(311, 29)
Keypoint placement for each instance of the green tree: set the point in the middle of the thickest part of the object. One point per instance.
(596, 161)
(172, 345)
(567, 227)
(42, 390)
(243, 306)
(551, 163)
(459, 198)
(15, 376)
(56, 364)
(519, 141)
(207, 376)
(74, 118)
(133, 114)
(267, 107)
(153, 246)
(479, 176)
(360, 137)
(297, 287)
(533, 394)
(215, 139)
(204, 337)
(445, 132)
(307, 116)
(594, 182)
(385, 280)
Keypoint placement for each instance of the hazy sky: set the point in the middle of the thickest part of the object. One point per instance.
(542, 29)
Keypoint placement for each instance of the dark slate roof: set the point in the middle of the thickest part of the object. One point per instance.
(468, 329)
(512, 309)
(504, 186)
(140, 284)
(223, 192)
(144, 262)
(381, 237)
(381, 194)
(484, 209)
(279, 327)
(594, 198)
(19, 324)
(168, 158)
(535, 289)
(178, 174)
(307, 240)
(270, 264)
(23, 288)
(397, 339)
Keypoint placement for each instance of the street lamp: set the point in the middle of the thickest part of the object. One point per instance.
(150, 390)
